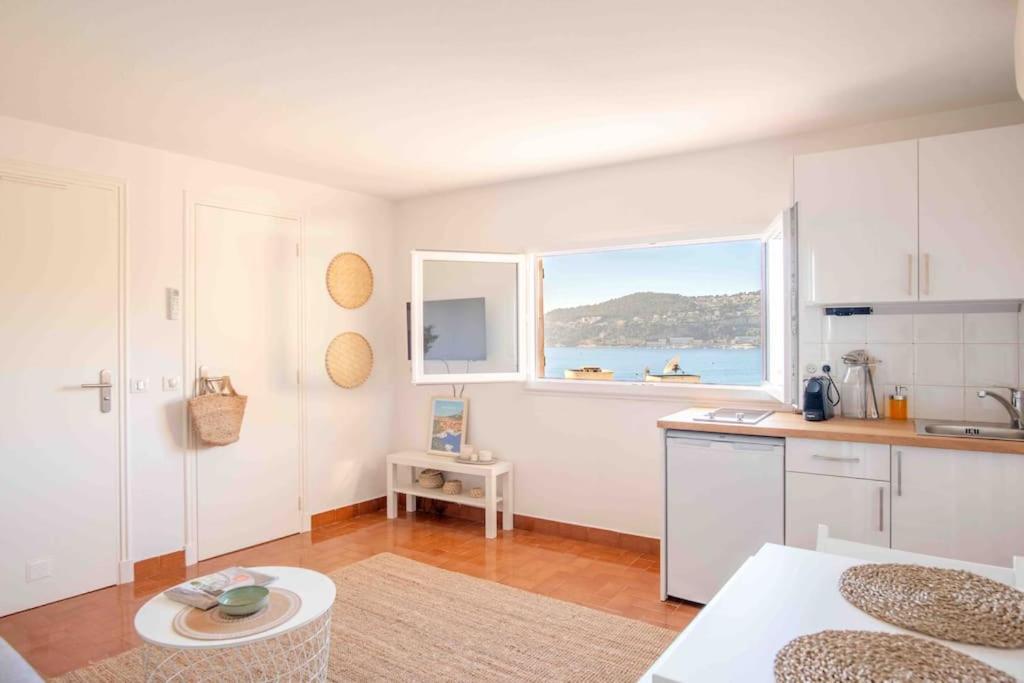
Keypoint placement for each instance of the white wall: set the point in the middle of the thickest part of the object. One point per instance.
(590, 460)
(348, 430)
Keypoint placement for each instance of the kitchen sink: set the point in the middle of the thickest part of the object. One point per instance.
(969, 430)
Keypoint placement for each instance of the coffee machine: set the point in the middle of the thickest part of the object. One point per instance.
(820, 396)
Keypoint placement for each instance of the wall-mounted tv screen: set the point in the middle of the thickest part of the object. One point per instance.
(454, 329)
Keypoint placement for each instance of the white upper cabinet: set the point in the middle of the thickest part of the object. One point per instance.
(858, 223)
(972, 215)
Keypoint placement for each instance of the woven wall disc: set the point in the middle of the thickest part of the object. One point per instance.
(349, 280)
(951, 604)
(349, 359)
(875, 656)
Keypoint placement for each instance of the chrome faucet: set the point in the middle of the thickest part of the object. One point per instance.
(1015, 406)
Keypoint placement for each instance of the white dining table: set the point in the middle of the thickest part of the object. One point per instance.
(775, 596)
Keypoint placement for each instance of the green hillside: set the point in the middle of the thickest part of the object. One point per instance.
(656, 319)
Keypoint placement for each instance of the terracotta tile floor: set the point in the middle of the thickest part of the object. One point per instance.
(62, 636)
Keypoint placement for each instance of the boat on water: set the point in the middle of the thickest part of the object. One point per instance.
(589, 372)
(672, 372)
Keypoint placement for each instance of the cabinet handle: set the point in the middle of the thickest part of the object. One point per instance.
(927, 274)
(881, 508)
(910, 275)
(899, 473)
(834, 458)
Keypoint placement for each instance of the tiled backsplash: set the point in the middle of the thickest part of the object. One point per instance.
(942, 358)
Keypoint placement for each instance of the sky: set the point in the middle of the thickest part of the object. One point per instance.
(688, 269)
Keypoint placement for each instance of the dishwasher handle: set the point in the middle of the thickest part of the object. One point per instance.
(723, 444)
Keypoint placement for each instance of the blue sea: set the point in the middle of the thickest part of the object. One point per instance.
(715, 366)
(449, 442)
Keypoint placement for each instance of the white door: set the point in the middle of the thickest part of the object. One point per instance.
(246, 327)
(854, 509)
(858, 223)
(958, 504)
(972, 215)
(59, 302)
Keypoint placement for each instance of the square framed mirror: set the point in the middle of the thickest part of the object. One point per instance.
(468, 318)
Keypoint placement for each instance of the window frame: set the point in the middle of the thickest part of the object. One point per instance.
(523, 294)
(720, 393)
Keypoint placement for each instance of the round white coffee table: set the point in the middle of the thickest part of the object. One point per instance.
(297, 650)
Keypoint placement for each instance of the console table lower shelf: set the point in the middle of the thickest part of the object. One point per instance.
(491, 473)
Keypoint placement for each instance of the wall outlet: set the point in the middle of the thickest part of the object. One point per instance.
(38, 569)
(171, 383)
(139, 385)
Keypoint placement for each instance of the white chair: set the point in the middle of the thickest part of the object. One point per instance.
(873, 553)
(13, 668)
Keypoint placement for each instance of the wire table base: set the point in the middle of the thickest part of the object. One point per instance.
(298, 655)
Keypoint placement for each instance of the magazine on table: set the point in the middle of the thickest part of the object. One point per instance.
(202, 592)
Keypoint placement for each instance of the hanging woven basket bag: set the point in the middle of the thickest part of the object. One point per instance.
(217, 412)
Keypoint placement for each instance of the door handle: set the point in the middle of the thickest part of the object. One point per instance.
(899, 473)
(927, 274)
(881, 508)
(104, 385)
(834, 458)
(910, 274)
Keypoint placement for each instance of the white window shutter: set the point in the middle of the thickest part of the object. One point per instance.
(781, 307)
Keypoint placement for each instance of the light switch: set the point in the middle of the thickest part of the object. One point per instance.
(140, 385)
(171, 383)
(173, 303)
(38, 569)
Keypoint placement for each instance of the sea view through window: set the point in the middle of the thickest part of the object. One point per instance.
(688, 313)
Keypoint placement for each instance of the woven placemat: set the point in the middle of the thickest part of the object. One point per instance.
(873, 656)
(212, 624)
(349, 360)
(349, 280)
(951, 604)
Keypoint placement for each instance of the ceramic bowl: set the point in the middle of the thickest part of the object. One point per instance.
(244, 600)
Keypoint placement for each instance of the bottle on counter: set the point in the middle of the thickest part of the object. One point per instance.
(898, 403)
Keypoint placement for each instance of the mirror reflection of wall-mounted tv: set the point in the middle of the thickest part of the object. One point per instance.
(455, 329)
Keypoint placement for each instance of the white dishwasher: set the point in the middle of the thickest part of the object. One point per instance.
(723, 501)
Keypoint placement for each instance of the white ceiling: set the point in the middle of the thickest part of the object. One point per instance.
(404, 97)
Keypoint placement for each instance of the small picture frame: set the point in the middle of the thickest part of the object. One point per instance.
(448, 420)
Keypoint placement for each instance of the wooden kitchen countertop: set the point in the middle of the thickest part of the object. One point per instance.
(895, 432)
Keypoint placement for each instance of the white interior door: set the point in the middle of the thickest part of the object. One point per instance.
(59, 303)
(247, 327)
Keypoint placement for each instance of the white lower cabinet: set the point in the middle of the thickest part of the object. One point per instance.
(959, 504)
(853, 509)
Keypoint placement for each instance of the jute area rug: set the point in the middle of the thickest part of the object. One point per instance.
(400, 620)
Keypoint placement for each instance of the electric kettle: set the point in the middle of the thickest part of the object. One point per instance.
(857, 388)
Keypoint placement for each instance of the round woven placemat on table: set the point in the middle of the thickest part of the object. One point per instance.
(951, 604)
(349, 360)
(873, 656)
(349, 280)
(211, 624)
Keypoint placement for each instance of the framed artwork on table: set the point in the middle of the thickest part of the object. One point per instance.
(448, 425)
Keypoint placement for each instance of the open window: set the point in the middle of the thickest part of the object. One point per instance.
(781, 307)
(700, 315)
(467, 321)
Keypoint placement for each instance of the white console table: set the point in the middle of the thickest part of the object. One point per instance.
(490, 472)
